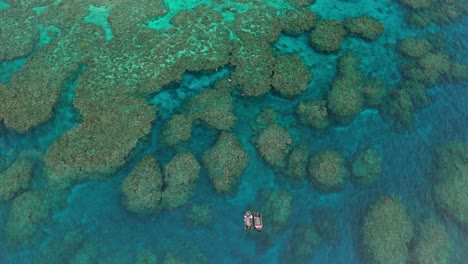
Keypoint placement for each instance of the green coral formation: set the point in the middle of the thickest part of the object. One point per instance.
(428, 69)
(301, 3)
(87, 253)
(273, 144)
(414, 47)
(344, 99)
(27, 213)
(313, 113)
(366, 167)
(434, 66)
(348, 66)
(225, 162)
(400, 107)
(200, 215)
(177, 130)
(136, 16)
(326, 225)
(32, 93)
(258, 23)
(113, 122)
(142, 188)
(327, 170)
(417, 4)
(451, 181)
(374, 92)
(28, 3)
(59, 250)
(417, 92)
(297, 21)
(16, 43)
(146, 189)
(146, 256)
(213, 106)
(304, 241)
(15, 179)
(253, 75)
(327, 36)
(291, 75)
(364, 27)
(265, 118)
(387, 231)
(180, 176)
(73, 247)
(296, 167)
(276, 208)
(432, 244)
(458, 72)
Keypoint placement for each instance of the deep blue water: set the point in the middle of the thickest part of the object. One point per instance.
(117, 236)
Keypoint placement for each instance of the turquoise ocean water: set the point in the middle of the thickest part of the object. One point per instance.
(68, 68)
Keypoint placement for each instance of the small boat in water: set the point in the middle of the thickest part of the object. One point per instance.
(248, 220)
(258, 221)
(253, 220)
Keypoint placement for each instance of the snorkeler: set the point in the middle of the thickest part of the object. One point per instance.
(248, 220)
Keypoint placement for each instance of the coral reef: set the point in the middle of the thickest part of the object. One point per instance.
(28, 212)
(225, 162)
(451, 181)
(200, 215)
(374, 93)
(304, 240)
(326, 224)
(273, 144)
(348, 66)
(257, 24)
(313, 113)
(15, 179)
(297, 21)
(431, 244)
(213, 106)
(180, 176)
(400, 107)
(25, 4)
(417, 4)
(267, 117)
(458, 72)
(32, 93)
(365, 27)
(16, 43)
(387, 231)
(327, 36)
(434, 65)
(417, 93)
(177, 130)
(291, 75)
(113, 122)
(327, 170)
(301, 3)
(345, 98)
(142, 188)
(253, 75)
(60, 250)
(146, 256)
(366, 166)
(276, 208)
(414, 47)
(296, 167)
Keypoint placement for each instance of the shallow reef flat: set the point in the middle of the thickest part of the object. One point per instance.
(141, 131)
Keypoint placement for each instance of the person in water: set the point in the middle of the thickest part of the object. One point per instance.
(248, 220)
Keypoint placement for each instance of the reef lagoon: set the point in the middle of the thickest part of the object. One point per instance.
(142, 131)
